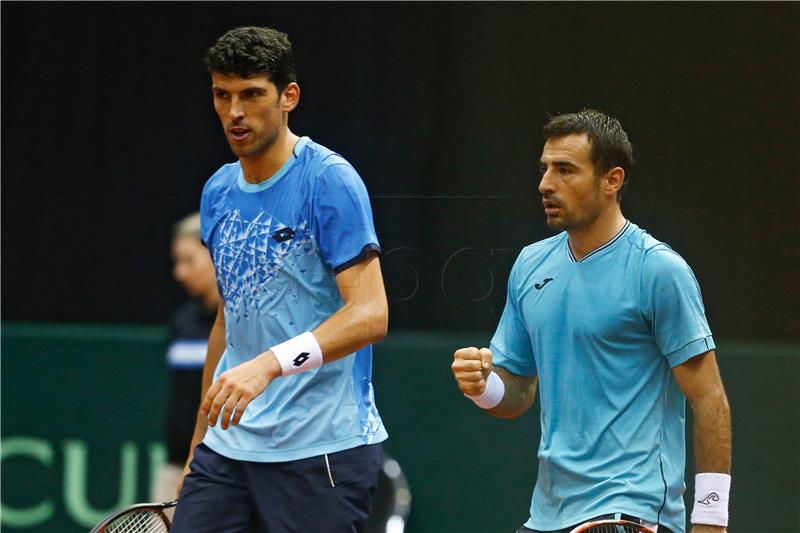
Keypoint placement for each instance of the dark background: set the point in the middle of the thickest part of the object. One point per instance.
(108, 135)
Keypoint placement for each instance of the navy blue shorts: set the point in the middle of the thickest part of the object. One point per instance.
(329, 493)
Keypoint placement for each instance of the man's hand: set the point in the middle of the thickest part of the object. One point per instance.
(702, 528)
(235, 389)
(471, 367)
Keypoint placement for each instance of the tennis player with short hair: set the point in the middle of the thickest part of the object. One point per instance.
(292, 442)
(610, 324)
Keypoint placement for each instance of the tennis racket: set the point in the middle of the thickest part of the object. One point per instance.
(611, 526)
(139, 518)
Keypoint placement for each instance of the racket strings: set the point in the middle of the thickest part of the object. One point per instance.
(138, 521)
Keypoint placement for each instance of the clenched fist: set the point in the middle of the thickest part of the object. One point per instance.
(471, 367)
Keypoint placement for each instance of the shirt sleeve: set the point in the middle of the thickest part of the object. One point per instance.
(343, 225)
(511, 344)
(209, 211)
(674, 307)
(205, 217)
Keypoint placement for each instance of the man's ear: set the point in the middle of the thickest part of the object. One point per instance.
(290, 97)
(614, 180)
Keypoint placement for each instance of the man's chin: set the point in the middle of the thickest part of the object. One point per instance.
(238, 150)
(243, 148)
(556, 223)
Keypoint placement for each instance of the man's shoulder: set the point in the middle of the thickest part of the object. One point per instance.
(222, 178)
(656, 256)
(322, 156)
(542, 248)
(535, 255)
(326, 163)
(639, 239)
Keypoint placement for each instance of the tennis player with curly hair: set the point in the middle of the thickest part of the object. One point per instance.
(288, 434)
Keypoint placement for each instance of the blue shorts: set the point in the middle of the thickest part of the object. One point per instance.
(328, 493)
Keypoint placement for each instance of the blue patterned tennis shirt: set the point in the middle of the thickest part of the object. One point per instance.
(277, 247)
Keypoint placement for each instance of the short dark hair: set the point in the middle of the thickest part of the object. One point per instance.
(610, 144)
(253, 50)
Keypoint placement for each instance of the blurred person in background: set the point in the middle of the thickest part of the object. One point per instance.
(186, 354)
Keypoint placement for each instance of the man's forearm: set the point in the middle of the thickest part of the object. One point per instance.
(700, 381)
(712, 444)
(518, 397)
(216, 347)
(350, 328)
(712, 433)
(364, 317)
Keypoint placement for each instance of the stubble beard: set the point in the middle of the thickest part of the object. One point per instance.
(556, 224)
(577, 221)
(258, 146)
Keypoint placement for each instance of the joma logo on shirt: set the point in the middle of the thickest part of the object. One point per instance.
(540, 286)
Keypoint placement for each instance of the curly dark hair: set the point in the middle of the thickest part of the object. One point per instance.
(610, 146)
(253, 50)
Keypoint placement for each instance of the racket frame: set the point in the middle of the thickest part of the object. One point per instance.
(585, 527)
(157, 507)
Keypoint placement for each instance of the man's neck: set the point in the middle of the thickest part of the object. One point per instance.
(585, 240)
(263, 166)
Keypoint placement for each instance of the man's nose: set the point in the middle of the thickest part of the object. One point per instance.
(236, 110)
(546, 184)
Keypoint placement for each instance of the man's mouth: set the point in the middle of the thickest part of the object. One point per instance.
(239, 133)
(551, 208)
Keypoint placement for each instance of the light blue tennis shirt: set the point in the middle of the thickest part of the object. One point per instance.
(277, 247)
(602, 334)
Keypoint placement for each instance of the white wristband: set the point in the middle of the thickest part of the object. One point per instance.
(711, 499)
(493, 395)
(298, 354)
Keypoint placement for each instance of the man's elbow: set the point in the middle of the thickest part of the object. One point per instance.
(375, 320)
(379, 324)
(713, 401)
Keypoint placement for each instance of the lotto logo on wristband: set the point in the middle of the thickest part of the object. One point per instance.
(302, 358)
(298, 354)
